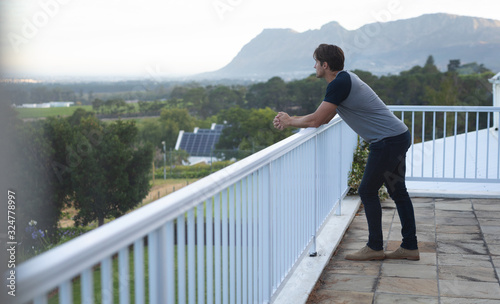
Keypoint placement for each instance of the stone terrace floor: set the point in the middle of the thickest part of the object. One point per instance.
(459, 242)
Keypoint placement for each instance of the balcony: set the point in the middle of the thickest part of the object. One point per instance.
(263, 229)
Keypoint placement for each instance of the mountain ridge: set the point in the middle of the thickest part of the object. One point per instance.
(381, 48)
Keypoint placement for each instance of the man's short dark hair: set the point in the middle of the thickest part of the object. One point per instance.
(331, 54)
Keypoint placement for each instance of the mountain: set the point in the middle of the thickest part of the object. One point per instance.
(381, 48)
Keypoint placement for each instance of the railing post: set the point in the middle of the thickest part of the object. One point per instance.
(267, 280)
(444, 142)
(423, 143)
(87, 283)
(412, 140)
(106, 282)
(152, 266)
(498, 149)
(138, 272)
(169, 262)
(123, 279)
(312, 251)
(181, 258)
(338, 210)
(465, 145)
(433, 140)
(66, 292)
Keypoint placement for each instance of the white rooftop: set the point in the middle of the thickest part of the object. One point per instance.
(456, 157)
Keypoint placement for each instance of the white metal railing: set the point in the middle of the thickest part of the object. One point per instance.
(453, 144)
(231, 237)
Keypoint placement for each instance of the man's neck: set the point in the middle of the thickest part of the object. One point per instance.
(330, 76)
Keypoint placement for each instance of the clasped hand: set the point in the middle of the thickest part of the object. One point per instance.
(280, 121)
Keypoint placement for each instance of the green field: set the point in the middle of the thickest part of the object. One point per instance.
(47, 112)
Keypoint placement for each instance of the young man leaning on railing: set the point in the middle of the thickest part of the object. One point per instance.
(389, 138)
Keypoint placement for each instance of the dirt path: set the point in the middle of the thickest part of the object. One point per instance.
(159, 191)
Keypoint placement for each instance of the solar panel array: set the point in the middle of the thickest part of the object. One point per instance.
(202, 141)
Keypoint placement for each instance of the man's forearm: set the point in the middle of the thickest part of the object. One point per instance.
(310, 120)
(325, 112)
(305, 121)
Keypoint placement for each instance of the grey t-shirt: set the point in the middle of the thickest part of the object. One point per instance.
(361, 108)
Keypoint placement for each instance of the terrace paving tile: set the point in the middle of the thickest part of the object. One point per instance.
(465, 273)
(488, 214)
(457, 229)
(459, 244)
(470, 290)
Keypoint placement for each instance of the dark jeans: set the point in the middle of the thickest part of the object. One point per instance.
(387, 164)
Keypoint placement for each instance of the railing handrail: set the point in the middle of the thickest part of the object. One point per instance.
(444, 108)
(70, 259)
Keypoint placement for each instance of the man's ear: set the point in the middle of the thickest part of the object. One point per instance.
(325, 65)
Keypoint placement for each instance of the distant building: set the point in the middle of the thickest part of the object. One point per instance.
(52, 104)
(61, 104)
(34, 105)
(200, 143)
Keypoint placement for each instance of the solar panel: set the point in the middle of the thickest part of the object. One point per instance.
(202, 141)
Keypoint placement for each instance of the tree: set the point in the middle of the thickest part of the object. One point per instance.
(221, 97)
(305, 95)
(232, 135)
(59, 133)
(97, 105)
(110, 174)
(445, 94)
(429, 66)
(249, 130)
(195, 100)
(272, 93)
(78, 115)
(152, 131)
(475, 89)
(178, 92)
(172, 121)
(260, 130)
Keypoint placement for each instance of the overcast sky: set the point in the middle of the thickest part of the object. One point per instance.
(145, 38)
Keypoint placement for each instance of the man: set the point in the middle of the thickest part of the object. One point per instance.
(360, 107)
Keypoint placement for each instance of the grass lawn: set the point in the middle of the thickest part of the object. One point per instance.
(46, 112)
(77, 296)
